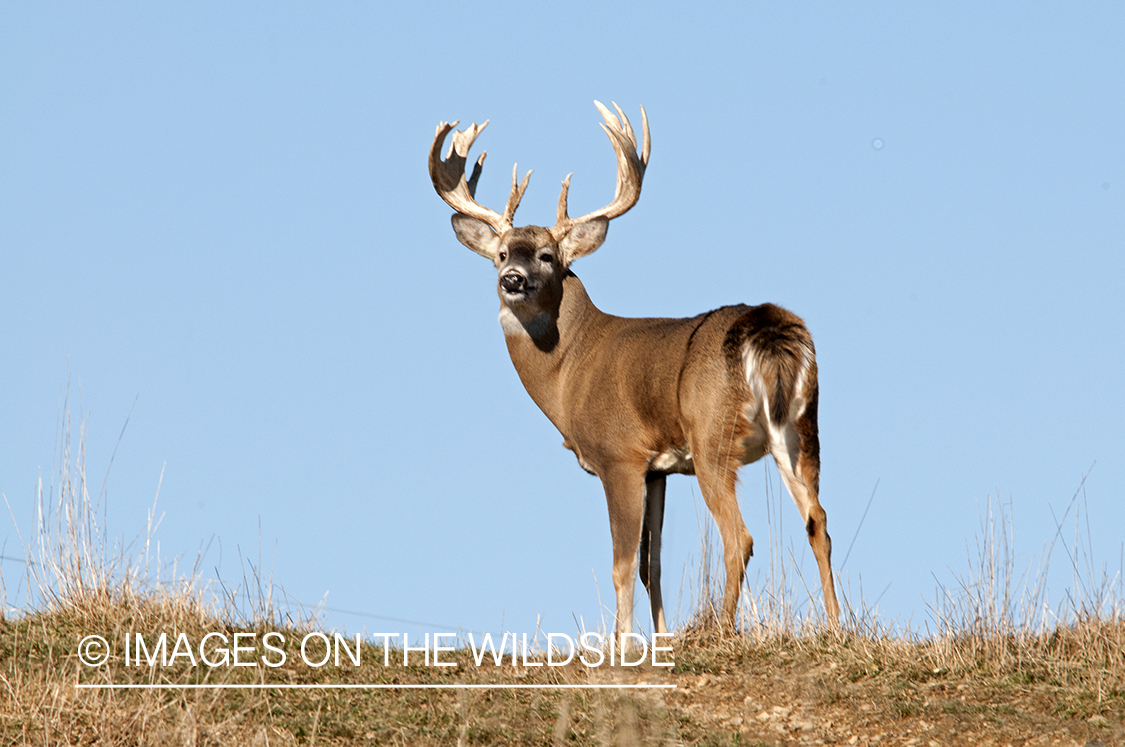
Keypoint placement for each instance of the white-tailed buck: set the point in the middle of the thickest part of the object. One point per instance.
(639, 399)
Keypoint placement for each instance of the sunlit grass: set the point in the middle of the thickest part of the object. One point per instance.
(992, 655)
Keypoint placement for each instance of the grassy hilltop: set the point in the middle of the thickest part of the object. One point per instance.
(1065, 687)
(986, 676)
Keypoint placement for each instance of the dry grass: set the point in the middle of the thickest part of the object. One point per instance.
(997, 666)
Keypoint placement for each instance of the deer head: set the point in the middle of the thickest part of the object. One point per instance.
(533, 260)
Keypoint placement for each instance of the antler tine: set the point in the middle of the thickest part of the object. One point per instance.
(630, 170)
(516, 194)
(628, 127)
(448, 175)
(607, 114)
(562, 218)
(647, 146)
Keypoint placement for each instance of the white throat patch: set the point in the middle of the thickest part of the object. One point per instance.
(513, 327)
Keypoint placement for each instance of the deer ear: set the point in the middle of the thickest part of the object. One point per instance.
(584, 238)
(476, 235)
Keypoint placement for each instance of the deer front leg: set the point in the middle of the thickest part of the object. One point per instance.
(624, 495)
(650, 546)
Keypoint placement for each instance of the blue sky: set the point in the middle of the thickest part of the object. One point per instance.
(222, 214)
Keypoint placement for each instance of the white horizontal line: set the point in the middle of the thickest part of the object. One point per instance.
(344, 686)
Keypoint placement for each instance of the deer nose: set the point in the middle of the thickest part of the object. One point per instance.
(512, 282)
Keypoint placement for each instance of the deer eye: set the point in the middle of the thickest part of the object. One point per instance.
(503, 256)
(546, 257)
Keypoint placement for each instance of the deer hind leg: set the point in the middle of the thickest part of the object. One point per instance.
(716, 467)
(650, 546)
(625, 498)
(795, 447)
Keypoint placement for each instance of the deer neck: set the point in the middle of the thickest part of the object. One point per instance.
(543, 342)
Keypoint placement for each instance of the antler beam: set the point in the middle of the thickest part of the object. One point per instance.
(630, 170)
(448, 176)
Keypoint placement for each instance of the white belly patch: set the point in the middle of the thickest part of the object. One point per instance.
(673, 460)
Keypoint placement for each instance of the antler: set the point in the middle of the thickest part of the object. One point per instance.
(448, 176)
(630, 170)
